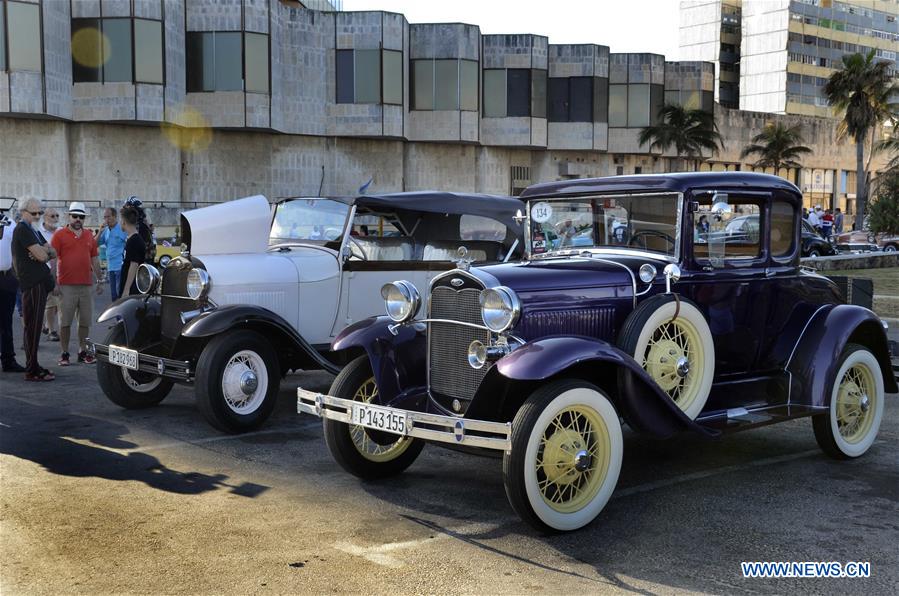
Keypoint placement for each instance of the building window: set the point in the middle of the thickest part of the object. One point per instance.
(227, 61)
(514, 92)
(618, 105)
(445, 84)
(361, 78)
(577, 99)
(117, 50)
(20, 36)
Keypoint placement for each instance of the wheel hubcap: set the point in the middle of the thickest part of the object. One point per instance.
(244, 382)
(573, 458)
(582, 461)
(854, 403)
(248, 382)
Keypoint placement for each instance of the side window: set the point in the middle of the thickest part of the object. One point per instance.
(783, 219)
(726, 230)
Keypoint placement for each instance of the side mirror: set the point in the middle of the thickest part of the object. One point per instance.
(720, 205)
(346, 253)
(672, 275)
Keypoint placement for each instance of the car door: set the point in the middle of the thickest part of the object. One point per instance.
(731, 287)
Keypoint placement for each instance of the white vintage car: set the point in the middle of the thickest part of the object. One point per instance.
(261, 290)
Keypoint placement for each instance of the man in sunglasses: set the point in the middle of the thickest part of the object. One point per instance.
(78, 268)
(47, 229)
(31, 253)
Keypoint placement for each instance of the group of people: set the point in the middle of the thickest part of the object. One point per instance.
(826, 221)
(54, 268)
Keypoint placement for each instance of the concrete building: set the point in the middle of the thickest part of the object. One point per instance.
(710, 31)
(790, 48)
(185, 102)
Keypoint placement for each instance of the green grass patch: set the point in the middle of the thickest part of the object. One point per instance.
(886, 288)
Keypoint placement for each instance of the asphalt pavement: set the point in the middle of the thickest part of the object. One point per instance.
(96, 499)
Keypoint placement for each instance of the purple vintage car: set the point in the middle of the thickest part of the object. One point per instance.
(637, 304)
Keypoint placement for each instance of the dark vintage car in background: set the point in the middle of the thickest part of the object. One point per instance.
(543, 359)
(263, 290)
(813, 243)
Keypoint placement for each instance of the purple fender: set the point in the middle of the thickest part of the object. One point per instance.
(398, 361)
(644, 406)
(813, 363)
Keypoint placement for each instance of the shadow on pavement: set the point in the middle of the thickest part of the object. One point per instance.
(56, 440)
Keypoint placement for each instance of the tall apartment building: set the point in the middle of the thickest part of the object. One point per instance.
(710, 32)
(789, 49)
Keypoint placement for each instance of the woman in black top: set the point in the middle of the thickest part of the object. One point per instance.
(135, 251)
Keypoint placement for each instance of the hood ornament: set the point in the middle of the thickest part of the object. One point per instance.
(462, 260)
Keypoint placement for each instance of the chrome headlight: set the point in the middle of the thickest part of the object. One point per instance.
(197, 283)
(500, 308)
(147, 278)
(401, 299)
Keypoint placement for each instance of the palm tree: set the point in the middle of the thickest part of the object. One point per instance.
(689, 132)
(777, 146)
(857, 91)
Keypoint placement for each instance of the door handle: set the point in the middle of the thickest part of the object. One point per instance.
(769, 272)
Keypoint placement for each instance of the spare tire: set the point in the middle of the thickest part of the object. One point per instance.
(669, 337)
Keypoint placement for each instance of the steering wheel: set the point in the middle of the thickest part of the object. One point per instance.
(651, 233)
(354, 246)
(331, 234)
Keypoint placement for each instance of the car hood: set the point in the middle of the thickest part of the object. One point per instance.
(234, 227)
(568, 273)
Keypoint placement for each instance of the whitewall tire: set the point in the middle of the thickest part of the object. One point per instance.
(850, 426)
(671, 340)
(566, 455)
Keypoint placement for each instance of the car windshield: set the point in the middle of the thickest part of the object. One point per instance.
(647, 222)
(308, 220)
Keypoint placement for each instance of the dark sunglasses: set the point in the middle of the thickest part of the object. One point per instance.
(77, 215)
(33, 212)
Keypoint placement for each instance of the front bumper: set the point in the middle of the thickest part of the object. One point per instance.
(178, 370)
(430, 427)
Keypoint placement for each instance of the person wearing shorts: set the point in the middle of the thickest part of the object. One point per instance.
(78, 268)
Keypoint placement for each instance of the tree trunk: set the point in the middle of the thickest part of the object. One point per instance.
(860, 198)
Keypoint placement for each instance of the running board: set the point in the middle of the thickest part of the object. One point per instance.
(737, 419)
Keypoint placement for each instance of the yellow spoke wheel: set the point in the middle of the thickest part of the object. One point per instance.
(849, 427)
(670, 339)
(351, 444)
(566, 455)
(573, 459)
(366, 393)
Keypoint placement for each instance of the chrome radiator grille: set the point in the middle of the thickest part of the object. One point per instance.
(450, 374)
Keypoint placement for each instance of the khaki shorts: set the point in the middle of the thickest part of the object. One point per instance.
(76, 299)
(54, 301)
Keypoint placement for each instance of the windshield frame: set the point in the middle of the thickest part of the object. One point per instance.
(351, 209)
(678, 241)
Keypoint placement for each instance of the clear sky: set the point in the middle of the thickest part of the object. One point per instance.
(623, 25)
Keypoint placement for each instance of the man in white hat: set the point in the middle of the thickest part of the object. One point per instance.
(78, 268)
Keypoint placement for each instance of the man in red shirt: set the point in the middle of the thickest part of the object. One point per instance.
(78, 267)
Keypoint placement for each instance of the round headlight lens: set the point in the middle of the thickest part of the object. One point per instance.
(500, 308)
(401, 299)
(147, 278)
(197, 283)
(647, 273)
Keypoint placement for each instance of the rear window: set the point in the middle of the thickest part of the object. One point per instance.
(477, 227)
